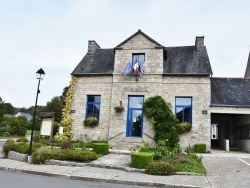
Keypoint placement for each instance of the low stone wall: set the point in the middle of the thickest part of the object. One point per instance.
(17, 156)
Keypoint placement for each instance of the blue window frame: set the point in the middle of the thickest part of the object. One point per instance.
(140, 58)
(183, 109)
(93, 106)
(135, 116)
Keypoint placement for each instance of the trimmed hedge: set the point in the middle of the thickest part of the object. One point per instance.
(141, 159)
(101, 148)
(160, 168)
(75, 155)
(200, 148)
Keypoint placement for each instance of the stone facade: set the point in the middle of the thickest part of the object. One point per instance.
(116, 88)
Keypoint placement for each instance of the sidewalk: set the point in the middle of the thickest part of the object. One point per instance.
(112, 168)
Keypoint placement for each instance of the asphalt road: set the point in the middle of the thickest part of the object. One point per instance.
(10, 179)
(228, 172)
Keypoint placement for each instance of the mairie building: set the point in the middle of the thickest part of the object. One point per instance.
(138, 68)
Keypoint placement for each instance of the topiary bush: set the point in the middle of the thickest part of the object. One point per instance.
(9, 145)
(183, 127)
(163, 119)
(160, 168)
(76, 155)
(101, 148)
(141, 159)
(41, 154)
(200, 148)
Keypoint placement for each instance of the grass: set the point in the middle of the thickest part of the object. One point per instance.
(189, 163)
(34, 132)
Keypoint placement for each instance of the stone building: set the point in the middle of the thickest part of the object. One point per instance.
(181, 75)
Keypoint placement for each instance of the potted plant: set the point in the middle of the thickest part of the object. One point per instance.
(119, 108)
(91, 122)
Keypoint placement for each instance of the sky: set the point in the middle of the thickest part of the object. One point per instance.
(54, 34)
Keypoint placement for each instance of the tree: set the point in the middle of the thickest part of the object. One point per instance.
(9, 108)
(17, 126)
(2, 109)
(55, 105)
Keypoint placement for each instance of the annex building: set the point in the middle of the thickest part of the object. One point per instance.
(138, 68)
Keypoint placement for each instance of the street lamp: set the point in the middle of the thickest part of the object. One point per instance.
(39, 75)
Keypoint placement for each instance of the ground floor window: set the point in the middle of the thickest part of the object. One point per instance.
(135, 116)
(183, 109)
(93, 106)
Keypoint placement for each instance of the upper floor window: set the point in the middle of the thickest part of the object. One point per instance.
(93, 106)
(140, 58)
(183, 109)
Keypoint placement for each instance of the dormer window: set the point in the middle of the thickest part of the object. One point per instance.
(140, 58)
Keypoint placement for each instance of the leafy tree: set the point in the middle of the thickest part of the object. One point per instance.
(164, 121)
(2, 109)
(55, 105)
(9, 108)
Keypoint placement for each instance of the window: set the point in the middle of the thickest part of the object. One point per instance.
(140, 58)
(183, 109)
(135, 116)
(93, 106)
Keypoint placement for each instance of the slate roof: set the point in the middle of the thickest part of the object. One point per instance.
(46, 114)
(100, 63)
(186, 60)
(183, 60)
(23, 114)
(228, 92)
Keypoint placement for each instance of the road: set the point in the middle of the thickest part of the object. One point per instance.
(10, 179)
(228, 171)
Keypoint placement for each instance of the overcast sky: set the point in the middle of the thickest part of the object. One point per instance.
(54, 34)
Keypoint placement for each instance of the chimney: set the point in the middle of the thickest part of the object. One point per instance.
(92, 47)
(199, 43)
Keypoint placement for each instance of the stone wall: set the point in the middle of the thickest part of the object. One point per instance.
(94, 85)
(199, 89)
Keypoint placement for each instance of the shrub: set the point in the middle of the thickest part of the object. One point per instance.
(101, 148)
(164, 121)
(40, 155)
(160, 168)
(65, 144)
(16, 126)
(200, 148)
(22, 139)
(141, 159)
(22, 148)
(9, 145)
(76, 155)
(183, 127)
(91, 122)
(35, 138)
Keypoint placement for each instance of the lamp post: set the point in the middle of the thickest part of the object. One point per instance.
(39, 75)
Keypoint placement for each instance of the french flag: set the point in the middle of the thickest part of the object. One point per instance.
(136, 68)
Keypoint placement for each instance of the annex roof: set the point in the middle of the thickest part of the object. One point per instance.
(234, 92)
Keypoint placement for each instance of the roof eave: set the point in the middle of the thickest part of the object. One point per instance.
(234, 106)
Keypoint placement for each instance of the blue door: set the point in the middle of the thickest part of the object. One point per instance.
(135, 116)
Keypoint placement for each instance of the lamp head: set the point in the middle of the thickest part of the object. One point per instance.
(40, 74)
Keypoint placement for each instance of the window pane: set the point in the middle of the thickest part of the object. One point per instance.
(96, 110)
(135, 102)
(140, 58)
(183, 101)
(90, 110)
(179, 114)
(93, 98)
(136, 126)
(187, 115)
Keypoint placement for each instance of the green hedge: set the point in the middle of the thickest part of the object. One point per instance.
(76, 155)
(141, 159)
(101, 148)
(200, 148)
